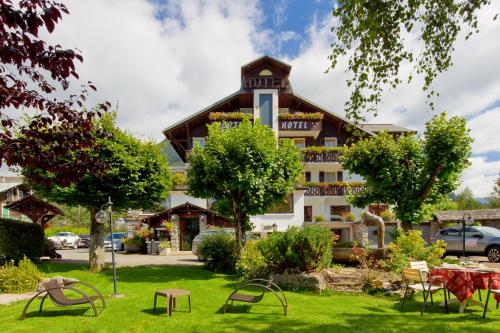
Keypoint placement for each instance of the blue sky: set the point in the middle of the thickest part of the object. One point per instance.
(163, 60)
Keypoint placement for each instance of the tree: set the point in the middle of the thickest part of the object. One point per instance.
(409, 172)
(465, 200)
(245, 170)
(29, 71)
(137, 176)
(494, 199)
(375, 35)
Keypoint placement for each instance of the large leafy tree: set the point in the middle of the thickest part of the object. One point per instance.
(377, 37)
(409, 172)
(30, 71)
(137, 176)
(465, 200)
(245, 170)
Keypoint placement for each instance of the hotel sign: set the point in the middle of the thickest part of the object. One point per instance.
(263, 82)
(300, 125)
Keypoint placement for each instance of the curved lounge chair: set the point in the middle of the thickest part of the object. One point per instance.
(264, 285)
(54, 289)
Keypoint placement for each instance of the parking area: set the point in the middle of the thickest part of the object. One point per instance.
(81, 256)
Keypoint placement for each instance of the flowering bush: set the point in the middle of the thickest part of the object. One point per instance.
(411, 246)
(251, 264)
(22, 278)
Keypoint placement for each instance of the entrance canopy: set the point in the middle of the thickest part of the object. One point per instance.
(37, 210)
(188, 210)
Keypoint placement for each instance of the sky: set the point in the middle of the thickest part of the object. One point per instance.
(160, 61)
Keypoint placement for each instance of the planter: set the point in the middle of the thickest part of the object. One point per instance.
(132, 248)
(165, 251)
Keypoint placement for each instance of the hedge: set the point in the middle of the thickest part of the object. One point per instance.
(19, 239)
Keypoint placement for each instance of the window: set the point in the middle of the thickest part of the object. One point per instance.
(282, 206)
(452, 232)
(266, 109)
(340, 176)
(330, 177)
(339, 210)
(472, 233)
(308, 213)
(330, 142)
(307, 176)
(265, 72)
(299, 142)
(199, 140)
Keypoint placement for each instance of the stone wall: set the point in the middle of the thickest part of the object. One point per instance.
(174, 236)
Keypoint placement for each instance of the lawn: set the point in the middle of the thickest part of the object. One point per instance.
(333, 312)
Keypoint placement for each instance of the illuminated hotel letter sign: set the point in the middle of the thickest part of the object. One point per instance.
(263, 82)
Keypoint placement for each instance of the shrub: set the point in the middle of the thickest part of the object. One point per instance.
(319, 218)
(19, 239)
(19, 279)
(349, 217)
(411, 247)
(251, 264)
(178, 179)
(387, 215)
(218, 251)
(308, 249)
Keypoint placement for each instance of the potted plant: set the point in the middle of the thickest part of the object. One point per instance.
(165, 248)
(387, 215)
(133, 245)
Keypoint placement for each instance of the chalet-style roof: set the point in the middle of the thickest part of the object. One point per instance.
(390, 128)
(201, 112)
(331, 113)
(185, 207)
(263, 60)
(8, 182)
(39, 211)
(458, 215)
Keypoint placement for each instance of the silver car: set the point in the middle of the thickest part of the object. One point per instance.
(197, 240)
(479, 241)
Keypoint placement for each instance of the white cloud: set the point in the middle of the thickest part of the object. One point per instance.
(484, 129)
(480, 176)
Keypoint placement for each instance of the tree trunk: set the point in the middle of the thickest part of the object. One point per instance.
(96, 246)
(407, 226)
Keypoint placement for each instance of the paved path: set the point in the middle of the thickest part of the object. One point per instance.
(9, 298)
(81, 256)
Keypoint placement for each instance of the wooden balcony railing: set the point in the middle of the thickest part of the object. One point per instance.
(332, 189)
(320, 155)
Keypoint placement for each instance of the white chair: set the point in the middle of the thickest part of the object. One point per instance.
(422, 266)
(490, 291)
(414, 280)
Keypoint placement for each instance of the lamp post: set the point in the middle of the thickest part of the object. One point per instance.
(468, 221)
(101, 218)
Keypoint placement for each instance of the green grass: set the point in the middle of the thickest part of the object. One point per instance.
(332, 312)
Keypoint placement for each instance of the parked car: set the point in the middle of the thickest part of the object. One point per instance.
(65, 239)
(117, 241)
(198, 238)
(84, 241)
(479, 241)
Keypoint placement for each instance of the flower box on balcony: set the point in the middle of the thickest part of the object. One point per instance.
(332, 189)
(319, 154)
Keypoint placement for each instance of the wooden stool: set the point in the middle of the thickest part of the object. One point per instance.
(171, 295)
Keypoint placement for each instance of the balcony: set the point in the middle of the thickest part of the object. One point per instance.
(321, 154)
(332, 189)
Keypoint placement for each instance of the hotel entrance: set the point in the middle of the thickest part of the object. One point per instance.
(188, 229)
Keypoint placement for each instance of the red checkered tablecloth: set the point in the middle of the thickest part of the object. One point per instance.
(463, 282)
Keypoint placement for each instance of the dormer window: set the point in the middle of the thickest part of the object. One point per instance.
(265, 72)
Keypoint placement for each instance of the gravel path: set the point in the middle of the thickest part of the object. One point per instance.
(10, 298)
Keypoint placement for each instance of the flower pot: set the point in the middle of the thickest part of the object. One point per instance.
(132, 248)
(165, 251)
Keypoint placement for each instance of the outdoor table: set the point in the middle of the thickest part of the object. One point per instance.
(463, 282)
(171, 295)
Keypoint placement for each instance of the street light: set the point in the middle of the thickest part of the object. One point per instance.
(468, 221)
(101, 218)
